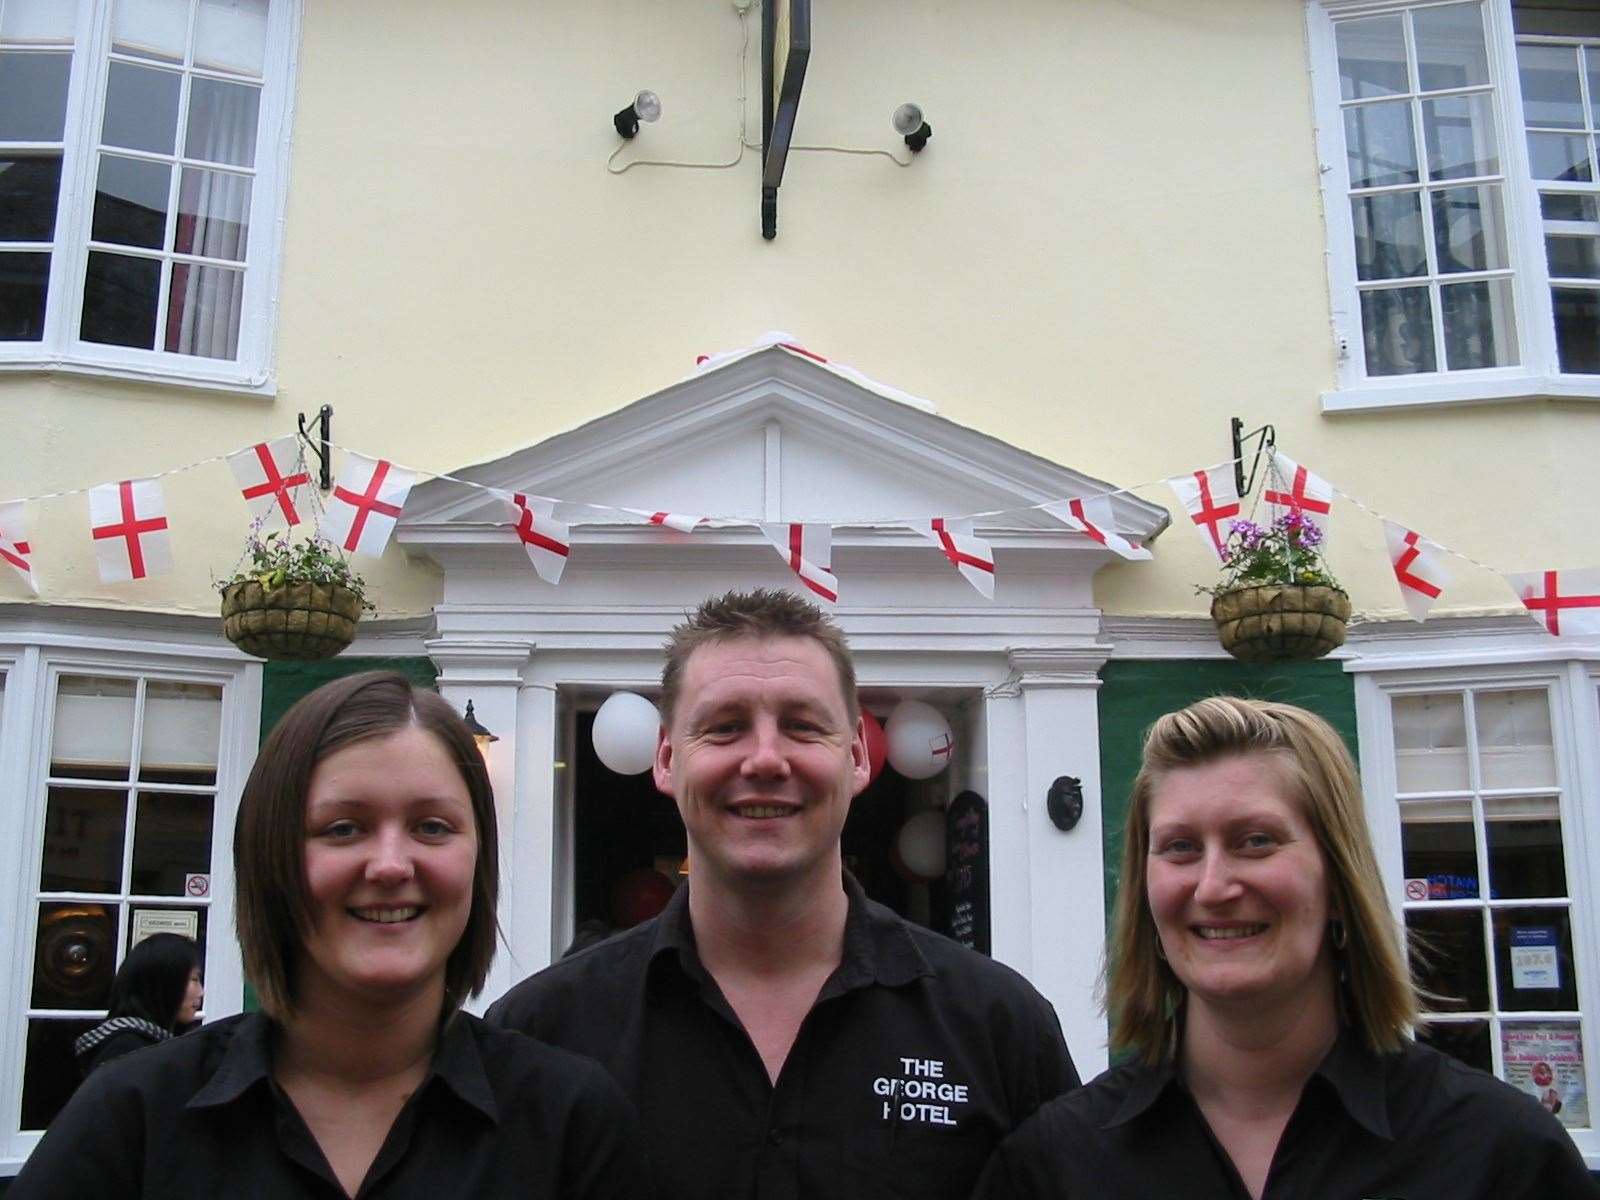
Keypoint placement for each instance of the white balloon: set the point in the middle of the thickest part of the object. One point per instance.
(920, 741)
(921, 844)
(625, 732)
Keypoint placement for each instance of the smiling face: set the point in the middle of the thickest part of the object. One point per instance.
(763, 760)
(194, 993)
(390, 849)
(1238, 888)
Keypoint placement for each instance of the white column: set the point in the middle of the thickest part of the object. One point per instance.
(1065, 869)
(490, 674)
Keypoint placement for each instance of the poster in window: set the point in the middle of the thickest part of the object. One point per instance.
(146, 921)
(1546, 1061)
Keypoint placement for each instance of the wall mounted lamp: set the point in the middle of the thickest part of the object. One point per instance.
(646, 107)
(909, 124)
(1064, 802)
(476, 727)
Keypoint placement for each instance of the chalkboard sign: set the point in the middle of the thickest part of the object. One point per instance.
(966, 876)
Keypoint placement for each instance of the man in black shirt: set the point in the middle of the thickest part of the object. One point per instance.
(781, 1035)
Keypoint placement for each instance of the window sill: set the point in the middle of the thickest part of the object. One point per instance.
(199, 379)
(1441, 393)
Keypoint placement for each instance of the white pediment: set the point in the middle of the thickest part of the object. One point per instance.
(770, 436)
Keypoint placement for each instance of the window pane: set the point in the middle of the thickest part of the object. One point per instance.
(1558, 156)
(189, 920)
(213, 214)
(1447, 956)
(1459, 133)
(171, 843)
(182, 727)
(28, 190)
(1526, 857)
(1388, 229)
(83, 831)
(155, 29)
(141, 108)
(33, 95)
(38, 20)
(1545, 1059)
(222, 122)
(130, 202)
(1372, 57)
(119, 300)
(1573, 257)
(75, 955)
(1577, 329)
(50, 1074)
(1592, 68)
(24, 280)
(231, 35)
(1533, 959)
(1438, 845)
(1556, 206)
(1515, 748)
(1550, 95)
(93, 727)
(1465, 1040)
(1380, 144)
(1469, 229)
(1479, 324)
(1450, 49)
(1397, 326)
(203, 311)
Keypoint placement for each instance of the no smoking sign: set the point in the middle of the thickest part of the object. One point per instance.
(1416, 889)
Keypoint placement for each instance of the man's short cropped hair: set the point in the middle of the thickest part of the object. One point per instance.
(763, 613)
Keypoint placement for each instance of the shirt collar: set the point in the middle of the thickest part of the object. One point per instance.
(247, 1061)
(878, 946)
(1355, 1074)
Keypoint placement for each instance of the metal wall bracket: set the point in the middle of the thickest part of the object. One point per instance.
(1269, 441)
(325, 421)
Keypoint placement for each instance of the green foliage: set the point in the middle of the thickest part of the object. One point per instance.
(275, 561)
(1287, 551)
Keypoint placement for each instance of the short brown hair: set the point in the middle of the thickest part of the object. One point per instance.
(762, 613)
(273, 914)
(1143, 996)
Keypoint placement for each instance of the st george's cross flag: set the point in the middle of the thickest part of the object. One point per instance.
(1092, 515)
(970, 555)
(270, 481)
(365, 504)
(808, 549)
(682, 522)
(1211, 498)
(1565, 602)
(15, 550)
(129, 523)
(1296, 489)
(542, 536)
(1418, 568)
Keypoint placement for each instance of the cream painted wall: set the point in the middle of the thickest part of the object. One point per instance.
(1112, 245)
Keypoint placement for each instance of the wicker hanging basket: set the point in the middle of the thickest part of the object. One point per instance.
(1281, 622)
(297, 621)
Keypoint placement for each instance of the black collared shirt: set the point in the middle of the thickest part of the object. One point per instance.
(1417, 1125)
(201, 1116)
(916, 1059)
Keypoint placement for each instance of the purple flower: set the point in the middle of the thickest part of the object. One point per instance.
(1248, 533)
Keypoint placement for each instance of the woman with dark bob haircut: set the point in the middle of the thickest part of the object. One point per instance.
(157, 990)
(1259, 993)
(365, 860)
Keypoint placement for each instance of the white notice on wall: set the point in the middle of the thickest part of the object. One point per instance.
(185, 921)
(1533, 959)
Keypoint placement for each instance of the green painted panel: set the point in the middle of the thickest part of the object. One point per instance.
(1134, 692)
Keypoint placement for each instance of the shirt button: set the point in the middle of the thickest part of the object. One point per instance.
(775, 1136)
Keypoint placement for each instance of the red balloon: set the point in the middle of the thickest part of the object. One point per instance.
(877, 745)
(638, 896)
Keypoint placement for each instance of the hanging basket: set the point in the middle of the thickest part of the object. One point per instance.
(1281, 622)
(297, 621)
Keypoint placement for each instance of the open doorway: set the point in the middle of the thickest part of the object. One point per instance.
(630, 852)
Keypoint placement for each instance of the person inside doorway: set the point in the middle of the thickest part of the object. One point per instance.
(1257, 982)
(779, 1033)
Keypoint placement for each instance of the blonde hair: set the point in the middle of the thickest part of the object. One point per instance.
(1142, 995)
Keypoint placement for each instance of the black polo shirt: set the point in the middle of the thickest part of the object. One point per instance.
(1417, 1125)
(917, 1058)
(201, 1115)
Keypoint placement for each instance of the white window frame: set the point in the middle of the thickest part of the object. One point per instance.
(32, 665)
(1538, 374)
(1574, 689)
(61, 350)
